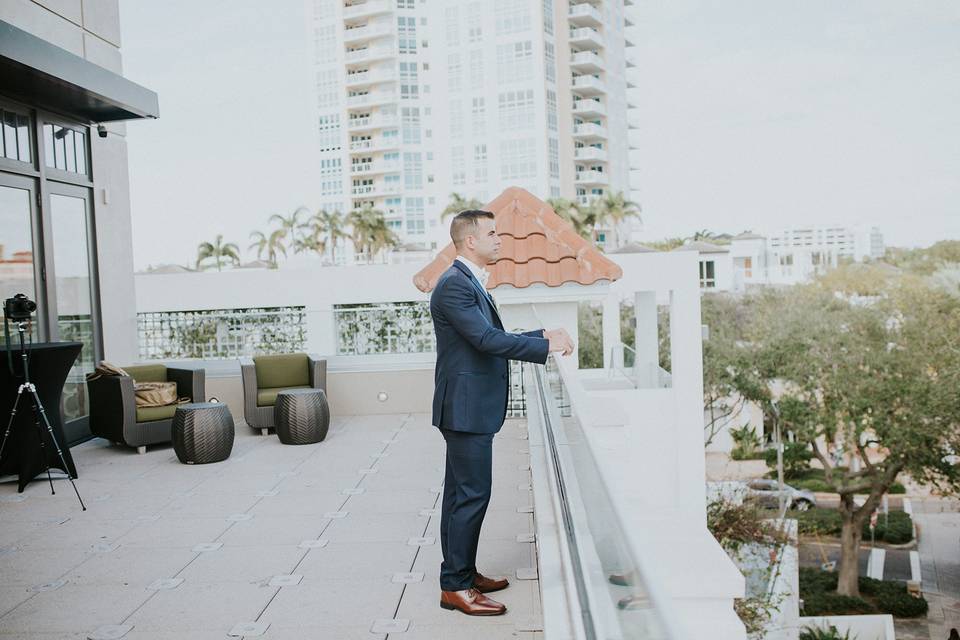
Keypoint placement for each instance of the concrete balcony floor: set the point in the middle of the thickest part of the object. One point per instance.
(69, 574)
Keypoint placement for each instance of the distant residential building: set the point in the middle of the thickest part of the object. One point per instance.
(786, 257)
(716, 268)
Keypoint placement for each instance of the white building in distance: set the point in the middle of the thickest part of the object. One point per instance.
(417, 99)
(786, 257)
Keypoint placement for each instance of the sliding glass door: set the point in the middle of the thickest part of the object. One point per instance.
(71, 224)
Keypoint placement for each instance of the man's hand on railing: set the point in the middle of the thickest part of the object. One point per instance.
(559, 341)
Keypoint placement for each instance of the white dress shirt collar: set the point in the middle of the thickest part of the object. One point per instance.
(479, 273)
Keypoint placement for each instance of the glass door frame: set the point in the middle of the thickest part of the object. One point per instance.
(46, 181)
(28, 184)
(81, 424)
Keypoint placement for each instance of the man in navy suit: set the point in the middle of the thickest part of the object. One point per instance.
(470, 403)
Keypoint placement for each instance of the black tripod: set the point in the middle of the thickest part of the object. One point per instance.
(39, 414)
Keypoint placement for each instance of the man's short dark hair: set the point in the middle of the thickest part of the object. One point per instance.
(465, 223)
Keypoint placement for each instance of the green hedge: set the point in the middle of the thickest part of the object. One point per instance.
(818, 590)
(896, 528)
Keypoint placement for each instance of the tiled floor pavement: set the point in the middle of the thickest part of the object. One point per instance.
(133, 560)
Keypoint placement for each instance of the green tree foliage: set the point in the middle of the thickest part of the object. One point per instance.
(457, 204)
(865, 377)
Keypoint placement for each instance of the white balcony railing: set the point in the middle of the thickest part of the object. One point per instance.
(367, 32)
(590, 153)
(589, 106)
(589, 85)
(586, 36)
(376, 190)
(368, 8)
(370, 77)
(374, 168)
(371, 98)
(586, 61)
(592, 177)
(585, 14)
(369, 54)
(589, 130)
(374, 144)
(373, 122)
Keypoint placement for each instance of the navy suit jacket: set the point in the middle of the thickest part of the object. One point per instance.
(473, 353)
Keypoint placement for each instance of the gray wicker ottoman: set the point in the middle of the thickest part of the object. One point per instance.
(301, 416)
(202, 432)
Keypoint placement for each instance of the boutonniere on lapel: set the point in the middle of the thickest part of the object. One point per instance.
(493, 301)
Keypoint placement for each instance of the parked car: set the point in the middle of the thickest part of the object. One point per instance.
(766, 494)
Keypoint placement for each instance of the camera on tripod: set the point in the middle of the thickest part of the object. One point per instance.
(18, 308)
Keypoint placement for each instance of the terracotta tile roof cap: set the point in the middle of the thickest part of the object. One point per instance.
(538, 246)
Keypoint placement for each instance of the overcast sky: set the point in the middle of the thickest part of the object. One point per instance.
(753, 114)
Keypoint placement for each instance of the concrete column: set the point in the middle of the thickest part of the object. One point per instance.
(321, 330)
(686, 349)
(646, 336)
(611, 329)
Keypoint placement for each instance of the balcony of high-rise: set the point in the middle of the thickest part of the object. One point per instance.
(586, 62)
(589, 107)
(589, 131)
(586, 37)
(355, 10)
(584, 14)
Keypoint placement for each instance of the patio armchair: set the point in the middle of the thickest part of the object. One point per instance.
(266, 376)
(114, 413)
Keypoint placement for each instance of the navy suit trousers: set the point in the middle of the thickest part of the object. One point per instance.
(466, 494)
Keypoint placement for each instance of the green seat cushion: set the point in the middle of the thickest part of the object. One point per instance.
(149, 414)
(285, 370)
(268, 397)
(147, 372)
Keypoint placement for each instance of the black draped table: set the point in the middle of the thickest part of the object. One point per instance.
(50, 363)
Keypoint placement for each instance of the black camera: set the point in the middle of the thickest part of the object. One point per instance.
(19, 307)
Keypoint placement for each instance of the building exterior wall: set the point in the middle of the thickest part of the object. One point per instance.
(91, 29)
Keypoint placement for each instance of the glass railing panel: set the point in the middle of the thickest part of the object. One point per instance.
(616, 599)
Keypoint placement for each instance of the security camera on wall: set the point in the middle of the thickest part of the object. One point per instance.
(101, 131)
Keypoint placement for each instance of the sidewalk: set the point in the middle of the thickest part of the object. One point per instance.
(938, 524)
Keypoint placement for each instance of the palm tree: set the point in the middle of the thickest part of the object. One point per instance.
(703, 234)
(369, 231)
(218, 251)
(328, 228)
(271, 245)
(457, 204)
(613, 208)
(582, 219)
(291, 225)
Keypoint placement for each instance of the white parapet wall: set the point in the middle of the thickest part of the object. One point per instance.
(648, 443)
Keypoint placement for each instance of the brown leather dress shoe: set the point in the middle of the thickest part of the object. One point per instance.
(484, 584)
(471, 602)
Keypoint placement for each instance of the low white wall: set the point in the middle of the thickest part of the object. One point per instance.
(350, 392)
(877, 627)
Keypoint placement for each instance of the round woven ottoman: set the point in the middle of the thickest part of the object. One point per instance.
(202, 432)
(301, 416)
